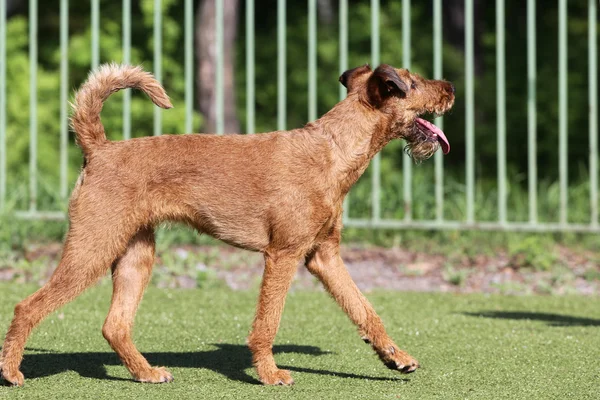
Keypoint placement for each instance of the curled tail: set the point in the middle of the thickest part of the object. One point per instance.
(101, 83)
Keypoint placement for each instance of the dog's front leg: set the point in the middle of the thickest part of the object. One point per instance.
(327, 265)
(279, 271)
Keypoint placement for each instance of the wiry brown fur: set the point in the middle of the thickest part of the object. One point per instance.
(278, 193)
(109, 78)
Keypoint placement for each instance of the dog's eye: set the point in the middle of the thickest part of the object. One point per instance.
(413, 85)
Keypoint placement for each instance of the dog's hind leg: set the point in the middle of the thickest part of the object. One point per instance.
(327, 265)
(277, 277)
(130, 276)
(89, 251)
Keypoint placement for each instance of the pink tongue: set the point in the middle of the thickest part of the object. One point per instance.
(437, 132)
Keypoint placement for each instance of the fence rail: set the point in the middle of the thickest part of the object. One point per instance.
(375, 220)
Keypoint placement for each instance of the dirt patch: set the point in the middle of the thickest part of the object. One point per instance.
(371, 267)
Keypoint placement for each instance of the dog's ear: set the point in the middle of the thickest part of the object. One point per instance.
(383, 83)
(348, 78)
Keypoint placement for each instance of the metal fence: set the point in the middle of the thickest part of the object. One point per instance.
(375, 221)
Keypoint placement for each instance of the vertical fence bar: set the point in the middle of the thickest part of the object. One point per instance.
(250, 66)
(33, 55)
(2, 106)
(562, 105)
(95, 33)
(343, 68)
(437, 74)
(281, 66)
(406, 161)
(157, 61)
(220, 106)
(470, 111)
(343, 43)
(312, 60)
(64, 85)
(127, 60)
(593, 117)
(376, 178)
(531, 111)
(501, 110)
(189, 66)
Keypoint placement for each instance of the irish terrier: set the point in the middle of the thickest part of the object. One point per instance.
(278, 193)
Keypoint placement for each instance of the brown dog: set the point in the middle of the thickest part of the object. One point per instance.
(279, 193)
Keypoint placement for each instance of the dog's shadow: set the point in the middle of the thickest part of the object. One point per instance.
(230, 360)
(550, 319)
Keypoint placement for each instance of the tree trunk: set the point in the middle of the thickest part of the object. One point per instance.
(13, 7)
(454, 30)
(206, 41)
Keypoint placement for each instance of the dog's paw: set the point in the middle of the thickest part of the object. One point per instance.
(14, 378)
(155, 375)
(277, 377)
(398, 360)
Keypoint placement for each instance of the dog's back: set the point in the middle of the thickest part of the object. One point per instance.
(238, 188)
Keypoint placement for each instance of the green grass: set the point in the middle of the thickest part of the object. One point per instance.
(470, 346)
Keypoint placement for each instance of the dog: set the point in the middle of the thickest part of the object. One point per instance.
(277, 193)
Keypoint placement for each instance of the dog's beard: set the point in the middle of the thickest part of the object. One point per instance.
(420, 147)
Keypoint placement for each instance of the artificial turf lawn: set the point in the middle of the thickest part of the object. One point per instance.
(469, 346)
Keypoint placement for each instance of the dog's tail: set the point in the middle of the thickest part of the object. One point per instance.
(101, 83)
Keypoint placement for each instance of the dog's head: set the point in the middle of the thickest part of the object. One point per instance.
(403, 97)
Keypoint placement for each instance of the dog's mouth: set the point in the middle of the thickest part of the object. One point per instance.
(433, 132)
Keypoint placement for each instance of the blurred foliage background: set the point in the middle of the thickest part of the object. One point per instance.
(328, 91)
